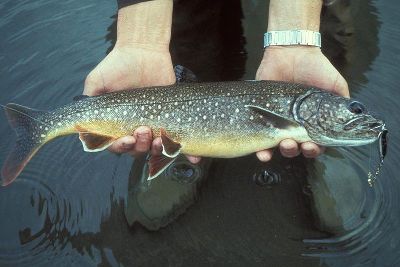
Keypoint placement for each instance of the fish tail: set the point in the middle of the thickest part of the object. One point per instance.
(30, 131)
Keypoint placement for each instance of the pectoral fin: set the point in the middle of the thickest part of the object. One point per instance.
(157, 164)
(171, 148)
(275, 119)
(93, 142)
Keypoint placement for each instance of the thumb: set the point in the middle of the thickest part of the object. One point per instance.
(341, 87)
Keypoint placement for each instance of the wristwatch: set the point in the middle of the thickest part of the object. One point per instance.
(292, 37)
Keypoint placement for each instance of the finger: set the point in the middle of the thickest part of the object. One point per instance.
(156, 146)
(289, 148)
(123, 145)
(311, 150)
(193, 159)
(143, 138)
(264, 155)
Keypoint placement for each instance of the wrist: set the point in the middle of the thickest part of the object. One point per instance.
(291, 50)
(145, 25)
(293, 15)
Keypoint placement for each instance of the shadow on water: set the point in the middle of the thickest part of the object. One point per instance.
(71, 208)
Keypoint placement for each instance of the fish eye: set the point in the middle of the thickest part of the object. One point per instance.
(356, 107)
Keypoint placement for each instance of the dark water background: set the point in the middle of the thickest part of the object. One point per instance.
(67, 207)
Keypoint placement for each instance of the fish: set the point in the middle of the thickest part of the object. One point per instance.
(210, 119)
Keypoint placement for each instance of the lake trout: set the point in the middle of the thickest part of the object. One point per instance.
(221, 119)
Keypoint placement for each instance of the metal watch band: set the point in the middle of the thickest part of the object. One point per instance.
(292, 37)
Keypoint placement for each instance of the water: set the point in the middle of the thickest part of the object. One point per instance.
(68, 207)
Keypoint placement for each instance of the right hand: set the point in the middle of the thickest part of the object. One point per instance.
(129, 68)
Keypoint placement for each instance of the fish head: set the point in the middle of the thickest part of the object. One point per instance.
(333, 120)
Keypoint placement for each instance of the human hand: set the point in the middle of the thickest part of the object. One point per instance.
(128, 68)
(299, 64)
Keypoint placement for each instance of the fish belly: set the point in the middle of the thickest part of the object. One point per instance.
(231, 145)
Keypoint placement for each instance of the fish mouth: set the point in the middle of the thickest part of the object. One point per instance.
(366, 123)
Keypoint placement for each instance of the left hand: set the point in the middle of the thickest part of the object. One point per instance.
(299, 64)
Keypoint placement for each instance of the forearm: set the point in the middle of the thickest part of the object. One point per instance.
(294, 15)
(146, 24)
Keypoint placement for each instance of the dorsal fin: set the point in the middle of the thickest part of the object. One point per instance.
(80, 97)
(184, 75)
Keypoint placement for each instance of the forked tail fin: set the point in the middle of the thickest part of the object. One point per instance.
(30, 131)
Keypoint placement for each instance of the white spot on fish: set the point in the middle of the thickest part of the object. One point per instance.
(46, 128)
(108, 109)
(288, 101)
(189, 119)
(59, 124)
(124, 112)
(204, 117)
(178, 120)
(159, 106)
(213, 117)
(251, 117)
(166, 115)
(216, 104)
(268, 105)
(96, 112)
(42, 135)
(228, 94)
(237, 110)
(222, 115)
(151, 117)
(175, 103)
(198, 109)
(253, 100)
(142, 108)
(40, 127)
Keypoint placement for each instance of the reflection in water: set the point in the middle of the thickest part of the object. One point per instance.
(70, 208)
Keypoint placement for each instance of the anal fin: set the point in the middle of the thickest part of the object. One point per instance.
(157, 164)
(94, 142)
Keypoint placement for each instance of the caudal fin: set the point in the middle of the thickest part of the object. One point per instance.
(29, 130)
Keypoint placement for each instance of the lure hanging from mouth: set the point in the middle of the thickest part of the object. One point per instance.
(382, 154)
